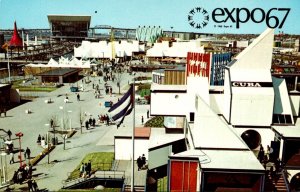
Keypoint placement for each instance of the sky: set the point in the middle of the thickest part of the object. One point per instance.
(171, 15)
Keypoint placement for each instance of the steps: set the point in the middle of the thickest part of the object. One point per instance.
(277, 184)
(136, 188)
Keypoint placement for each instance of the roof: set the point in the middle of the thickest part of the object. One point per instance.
(58, 72)
(139, 132)
(86, 18)
(16, 40)
(174, 88)
(159, 137)
(4, 85)
(209, 131)
(229, 159)
(289, 131)
(142, 132)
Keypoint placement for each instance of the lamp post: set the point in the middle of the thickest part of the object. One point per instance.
(19, 135)
(70, 119)
(48, 140)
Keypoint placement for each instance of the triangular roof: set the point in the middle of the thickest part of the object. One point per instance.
(16, 40)
(258, 55)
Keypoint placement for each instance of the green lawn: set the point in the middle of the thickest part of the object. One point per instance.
(100, 161)
(162, 184)
(32, 88)
(91, 190)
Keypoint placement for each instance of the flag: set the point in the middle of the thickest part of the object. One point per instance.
(123, 107)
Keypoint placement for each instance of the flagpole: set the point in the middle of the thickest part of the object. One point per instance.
(133, 128)
(8, 67)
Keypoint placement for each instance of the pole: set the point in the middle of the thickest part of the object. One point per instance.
(48, 147)
(133, 128)
(20, 151)
(8, 67)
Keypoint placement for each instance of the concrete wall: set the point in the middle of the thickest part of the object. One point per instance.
(168, 104)
(123, 148)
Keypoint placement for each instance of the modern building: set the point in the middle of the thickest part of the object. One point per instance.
(59, 75)
(69, 27)
(225, 125)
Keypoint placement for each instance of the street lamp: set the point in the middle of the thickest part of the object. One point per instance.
(70, 119)
(19, 135)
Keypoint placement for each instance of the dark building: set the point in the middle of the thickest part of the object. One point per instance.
(69, 27)
(59, 75)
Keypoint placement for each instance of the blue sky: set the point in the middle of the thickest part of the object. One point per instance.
(132, 13)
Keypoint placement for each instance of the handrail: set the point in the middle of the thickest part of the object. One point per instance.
(286, 182)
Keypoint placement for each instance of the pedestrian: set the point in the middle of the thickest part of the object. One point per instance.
(29, 183)
(143, 160)
(89, 168)
(94, 122)
(9, 133)
(51, 123)
(85, 170)
(142, 120)
(11, 160)
(39, 139)
(78, 97)
(35, 186)
(15, 177)
(86, 125)
(90, 121)
(261, 153)
(139, 163)
(148, 114)
(107, 120)
(27, 152)
(81, 169)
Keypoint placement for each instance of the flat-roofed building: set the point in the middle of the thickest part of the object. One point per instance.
(71, 27)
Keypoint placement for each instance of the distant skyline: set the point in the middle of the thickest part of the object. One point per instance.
(169, 14)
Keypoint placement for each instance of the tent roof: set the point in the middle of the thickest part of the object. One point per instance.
(16, 40)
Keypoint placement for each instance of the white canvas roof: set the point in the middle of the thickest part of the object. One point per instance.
(209, 131)
(250, 75)
(159, 137)
(229, 159)
(258, 55)
(202, 157)
(289, 131)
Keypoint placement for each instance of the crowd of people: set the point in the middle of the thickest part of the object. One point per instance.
(141, 162)
(85, 169)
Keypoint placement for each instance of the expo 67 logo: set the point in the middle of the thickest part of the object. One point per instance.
(198, 17)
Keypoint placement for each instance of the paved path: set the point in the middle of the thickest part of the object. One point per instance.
(98, 139)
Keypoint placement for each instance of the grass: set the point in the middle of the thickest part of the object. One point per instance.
(99, 160)
(91, 190)
(33, 88)
(155, 122)
(162, 184)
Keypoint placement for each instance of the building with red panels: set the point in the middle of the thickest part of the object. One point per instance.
(224, 126)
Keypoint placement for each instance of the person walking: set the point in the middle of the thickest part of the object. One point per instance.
(11, 160)
(148, 113)
(89, 168)
(29, 183)
(81, 170)
(9, 133)
(143, 160)
(78, 97)
(35, 186)
(142, 120)
(139, 163)
(28, 152)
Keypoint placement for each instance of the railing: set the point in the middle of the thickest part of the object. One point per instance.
(286, 182)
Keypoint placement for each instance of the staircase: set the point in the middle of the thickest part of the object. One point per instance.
(136, 188)
(276, 184)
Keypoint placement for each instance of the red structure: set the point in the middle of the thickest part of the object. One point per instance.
(19, 135)
(198, 64)
(183, 175)
(16, 40)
